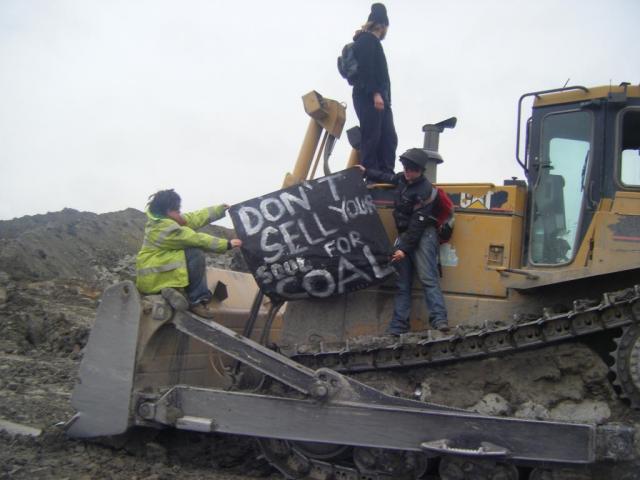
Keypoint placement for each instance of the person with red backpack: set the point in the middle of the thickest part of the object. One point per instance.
(417, 208)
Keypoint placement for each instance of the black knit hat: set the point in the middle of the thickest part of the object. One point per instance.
(378, 14)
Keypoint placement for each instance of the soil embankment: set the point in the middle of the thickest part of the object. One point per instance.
(53, 269)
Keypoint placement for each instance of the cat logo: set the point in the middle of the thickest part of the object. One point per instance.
(471, 201)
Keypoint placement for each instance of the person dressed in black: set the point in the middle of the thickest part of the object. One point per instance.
(416, 249)
(372, 94)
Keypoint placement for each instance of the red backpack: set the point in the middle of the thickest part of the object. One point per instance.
(443, 212)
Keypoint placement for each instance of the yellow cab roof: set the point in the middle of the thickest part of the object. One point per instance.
(593, 93)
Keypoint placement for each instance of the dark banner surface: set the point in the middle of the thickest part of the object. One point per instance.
(316, 239)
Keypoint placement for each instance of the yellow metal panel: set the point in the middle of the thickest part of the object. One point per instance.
(330, 114)
(233, 312)
(354, 158)
(517, 226)
(585, 251)
(473, 236)
(475, 310)
(617, 241)
(389, 224)
(483, 195)
(326, 114)
(612, 244)
(305, 156)
(626, 202)
(487, 236)
(584, 255)
(605, 205)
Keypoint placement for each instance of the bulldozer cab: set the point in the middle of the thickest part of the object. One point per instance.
(582, 164)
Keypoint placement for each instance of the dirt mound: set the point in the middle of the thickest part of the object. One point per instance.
(68, 244)
(53, 456)
(53, 269)
(73, 244)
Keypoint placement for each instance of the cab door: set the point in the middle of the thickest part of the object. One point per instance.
(563, 173)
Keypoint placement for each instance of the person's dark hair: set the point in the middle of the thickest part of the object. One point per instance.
(163, 201)
(409, 165)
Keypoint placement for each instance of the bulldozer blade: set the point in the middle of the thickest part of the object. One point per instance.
(103, 393)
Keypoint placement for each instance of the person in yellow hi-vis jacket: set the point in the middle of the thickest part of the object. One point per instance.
(172, 251)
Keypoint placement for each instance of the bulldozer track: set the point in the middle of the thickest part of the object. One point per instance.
(296, 464)
(626, 365)
(615, 310)
(618, 309)
(375, 464)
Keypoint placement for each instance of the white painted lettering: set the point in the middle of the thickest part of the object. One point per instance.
(282, 284)
(290, 267)
(310, 240)
(354, 237)
(332, 186)
(275, 213)
(302, 265)
(251, 220)
(341, 211)
(323, 231)
(289, 237)
(356, 274)
(371, 207)
(277, 271)
(288, 200)
(330, 247)
(275, 247)
(362, 207)
(352, 208)
(378, 271)
(319, 283)
(343, 245)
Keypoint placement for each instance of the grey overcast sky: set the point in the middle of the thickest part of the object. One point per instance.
(104, 102)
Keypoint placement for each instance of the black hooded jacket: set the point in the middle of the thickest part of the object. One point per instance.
(412, 208)
(373, 73)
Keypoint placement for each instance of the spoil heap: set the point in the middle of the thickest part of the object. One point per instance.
(53, 269)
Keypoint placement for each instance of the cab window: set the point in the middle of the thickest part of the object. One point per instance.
(630, 148)
(558, 194)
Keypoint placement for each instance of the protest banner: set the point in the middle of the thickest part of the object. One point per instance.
(317, 239)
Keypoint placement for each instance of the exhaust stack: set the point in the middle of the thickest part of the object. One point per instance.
(431, 143)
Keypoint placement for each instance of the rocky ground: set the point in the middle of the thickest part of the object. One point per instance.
(53, 269)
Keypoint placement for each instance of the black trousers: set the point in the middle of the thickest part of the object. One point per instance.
(379, 140)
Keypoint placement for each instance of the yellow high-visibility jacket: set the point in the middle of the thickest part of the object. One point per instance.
(161, 261)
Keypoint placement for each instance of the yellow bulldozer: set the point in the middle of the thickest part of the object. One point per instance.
(551, 259)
